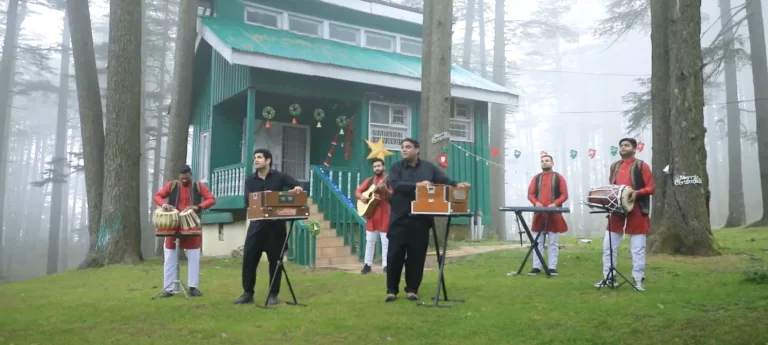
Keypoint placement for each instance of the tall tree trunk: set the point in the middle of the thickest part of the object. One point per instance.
(436, 82)
(760, 80)
(10, 41)
(59, 161)
(146, 230)
(91, 120)
(181, 102)
(497, 124)
(120, 228)
(158, 149)
(678, 130)
(481, 31)
(466, 60)
(737, 214)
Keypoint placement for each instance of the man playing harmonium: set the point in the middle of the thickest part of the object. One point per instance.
(183, 194)
(634, 173)
(547, 189)
(264, 235)
(409, 234)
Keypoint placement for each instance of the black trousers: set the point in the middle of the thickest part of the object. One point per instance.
(263, 236)
(408, 242)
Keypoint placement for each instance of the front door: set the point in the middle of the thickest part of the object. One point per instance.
(289, 145)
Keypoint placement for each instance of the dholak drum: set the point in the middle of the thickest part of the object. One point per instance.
(189, 223)
(611, 198)
(165, 222)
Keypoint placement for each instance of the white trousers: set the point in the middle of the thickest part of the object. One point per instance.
(553, 250)
(370, 247)
(193, 268)
(636, 247)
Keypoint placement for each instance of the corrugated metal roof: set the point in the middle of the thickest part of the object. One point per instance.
(285, 44)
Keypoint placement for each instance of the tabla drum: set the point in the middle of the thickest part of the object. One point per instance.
(165, 222)
(189, 223)
(611, 198)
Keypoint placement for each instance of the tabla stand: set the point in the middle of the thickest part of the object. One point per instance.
(177, 284)
(441, 260)
(281, 267)
(612, 271)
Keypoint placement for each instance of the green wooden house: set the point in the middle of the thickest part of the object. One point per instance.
(311, 80)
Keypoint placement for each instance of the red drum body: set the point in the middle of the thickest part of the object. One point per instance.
(611, 198)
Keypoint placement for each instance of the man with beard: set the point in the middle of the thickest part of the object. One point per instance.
(634, 173)
(377, 223)
(264, 235)
(183, 194)
(409, 234)
(548, 189)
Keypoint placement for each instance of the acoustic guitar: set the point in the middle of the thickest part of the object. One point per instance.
(365, 209)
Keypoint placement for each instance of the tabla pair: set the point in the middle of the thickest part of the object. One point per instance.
(167, 223)
(611, 198)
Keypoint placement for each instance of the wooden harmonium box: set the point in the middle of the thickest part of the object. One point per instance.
(277, 205)
(440, 199)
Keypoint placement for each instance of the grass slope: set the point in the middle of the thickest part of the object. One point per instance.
(689, 301)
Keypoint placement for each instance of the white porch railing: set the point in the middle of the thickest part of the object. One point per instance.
(228, 180)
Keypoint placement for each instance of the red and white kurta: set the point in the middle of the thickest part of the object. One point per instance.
(184, 201)
(545, 197)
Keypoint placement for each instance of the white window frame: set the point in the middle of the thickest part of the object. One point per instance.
(320, 25)
(392, 47)
(306, 150)
(357, 30)
(408, 39)
(263, 10)
(408, 122)
(204, 154)
(470, 123)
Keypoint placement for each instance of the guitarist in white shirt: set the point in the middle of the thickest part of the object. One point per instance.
(377, 222)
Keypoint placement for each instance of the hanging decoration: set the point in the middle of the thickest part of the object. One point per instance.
(319, 115)
(494, 151)
(294, 110)
(341, 121)
(327, 161)
(268, 113)
(640, 146)
(574, 153)
(467, 153)
(377, 150)
(348, 141)
(614, 150)
(517, 154)
(592, 153)
(442, 159)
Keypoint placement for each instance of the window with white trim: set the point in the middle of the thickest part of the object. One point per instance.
(390, 122)
(410, 46)
(461, 123)
(204, 155)
(344, 33)
(261, 16)
(379, 41)
(305, 26)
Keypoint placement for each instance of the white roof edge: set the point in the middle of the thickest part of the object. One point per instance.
(379, 10)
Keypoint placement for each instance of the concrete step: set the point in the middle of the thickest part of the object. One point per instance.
(325, 252)
(329, 241)
(348, 260)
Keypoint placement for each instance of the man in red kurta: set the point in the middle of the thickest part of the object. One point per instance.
(634, 173)
(376, 225)
(181, 195)
(547, 189)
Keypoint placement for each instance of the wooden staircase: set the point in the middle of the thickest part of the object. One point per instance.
(330, 251)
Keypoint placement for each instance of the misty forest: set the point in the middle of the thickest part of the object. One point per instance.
(100, 108)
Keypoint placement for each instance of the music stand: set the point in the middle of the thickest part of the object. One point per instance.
(441, 258)
(177, 284)
(281, 266)
(534, 241)
(612, 270)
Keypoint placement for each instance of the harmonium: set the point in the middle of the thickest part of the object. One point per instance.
(277, 205)
(440, 199)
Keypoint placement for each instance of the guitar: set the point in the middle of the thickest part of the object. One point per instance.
(365, 209)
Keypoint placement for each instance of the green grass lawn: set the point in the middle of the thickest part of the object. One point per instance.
(688, 301)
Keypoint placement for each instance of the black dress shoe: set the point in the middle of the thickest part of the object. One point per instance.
(272, 299)
(246, 298)
(194, 292)
(366, 269)
(384, 269)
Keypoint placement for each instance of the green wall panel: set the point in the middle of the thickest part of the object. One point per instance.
(228, 80)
